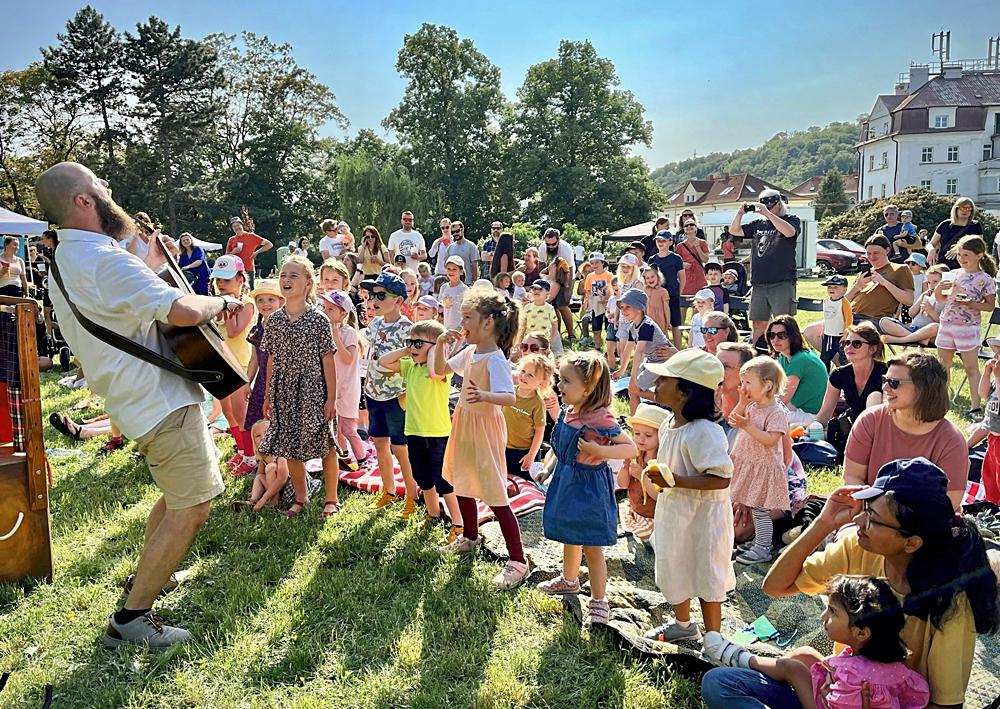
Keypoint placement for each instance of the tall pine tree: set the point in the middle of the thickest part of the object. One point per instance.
(831, 199)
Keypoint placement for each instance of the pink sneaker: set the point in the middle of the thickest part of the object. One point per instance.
(246, 466)
(559, 585)
(511, 576)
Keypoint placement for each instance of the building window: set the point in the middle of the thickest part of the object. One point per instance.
(927, 155)
(690, 198)
(870, 192)
(952, 153)
(885, 159)
(871, 162)
(750, 189)
(941, 121)
(998, 184)
(883, 190)
(987, 151)
(926, 184)
(885, 128)
(726, 191)
(951, 186)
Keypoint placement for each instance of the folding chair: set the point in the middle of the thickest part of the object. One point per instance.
(985, 353)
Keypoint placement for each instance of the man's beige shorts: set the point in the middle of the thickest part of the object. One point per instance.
(182, 459)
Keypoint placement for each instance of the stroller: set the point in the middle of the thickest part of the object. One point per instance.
(742, 281)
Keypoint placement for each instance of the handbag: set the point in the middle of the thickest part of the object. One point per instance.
(837, 433)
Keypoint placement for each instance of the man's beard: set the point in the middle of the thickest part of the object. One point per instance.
(552, 250)
(115, 221)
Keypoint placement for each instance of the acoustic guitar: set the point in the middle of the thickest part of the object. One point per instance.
(201, 353)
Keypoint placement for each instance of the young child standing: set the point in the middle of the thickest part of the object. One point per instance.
(671, 265)
(596, 291)
(704, 301)
(837, 317)
(333, 275)
(520, 292)
(301, 385)
(388, 331)
(412, 292)
(425, 308)
(428, 420)
(862, 613)
(230, 280)
(713, 277)
(972, 293)
(580, 508)
(539, 315)
(339, 309)
(642, 494)
(693, 524)
(425, 278)
(989, 389)
(526, 416)
(453, 291)
(474, 460)
(759, 479)
(917, 263)
(267, 298)
(657, 297)
(644, 338)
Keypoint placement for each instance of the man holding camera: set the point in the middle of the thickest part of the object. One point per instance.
(772, 257)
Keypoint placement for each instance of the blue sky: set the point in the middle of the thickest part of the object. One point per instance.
(713, 75)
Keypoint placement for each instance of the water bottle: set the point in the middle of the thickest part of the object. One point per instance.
(816, 432)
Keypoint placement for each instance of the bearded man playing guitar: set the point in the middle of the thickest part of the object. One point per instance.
(157, 408)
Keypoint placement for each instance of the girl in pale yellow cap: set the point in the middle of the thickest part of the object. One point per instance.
(645, 424)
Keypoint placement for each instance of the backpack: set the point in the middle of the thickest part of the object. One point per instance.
(816, 453)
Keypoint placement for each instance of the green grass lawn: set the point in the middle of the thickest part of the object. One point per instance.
(359, 611)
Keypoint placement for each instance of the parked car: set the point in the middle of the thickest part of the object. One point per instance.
(846, 245)
(830, 261)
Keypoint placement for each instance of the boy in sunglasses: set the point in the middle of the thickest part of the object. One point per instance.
(428, 420)
(837, 315)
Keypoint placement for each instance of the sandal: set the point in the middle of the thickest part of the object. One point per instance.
(291, 511)
(330, 508)
(61, 423)
(242, 506)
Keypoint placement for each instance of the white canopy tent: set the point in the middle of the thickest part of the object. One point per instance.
(19, 225)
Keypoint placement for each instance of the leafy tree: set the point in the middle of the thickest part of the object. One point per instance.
(572, 131)
(177, 82)
(87, 64)
(448, 124)
(831, 199)
(787, 159)
(929, 210)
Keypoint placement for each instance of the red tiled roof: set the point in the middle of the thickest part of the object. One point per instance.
(742, 187)
(811, 186)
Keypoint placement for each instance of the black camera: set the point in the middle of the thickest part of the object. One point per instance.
(749, 207)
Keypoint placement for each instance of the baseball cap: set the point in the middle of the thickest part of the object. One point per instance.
(837, 280)
(704, 294)
(266, 286)
(542, 283)
(664, 235)
(918, 259)
(456, 261)
(630, 259)
(636, 245)
(598, 256)
(693, 365)
(227, 266)
(635, 298)
(399, 258)
(908, 478)
(648, 415)
(339, 298)
(389, 281)
(233, 220)
(906, 213)
(428, 301)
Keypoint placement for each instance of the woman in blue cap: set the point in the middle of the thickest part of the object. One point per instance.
(907, 533)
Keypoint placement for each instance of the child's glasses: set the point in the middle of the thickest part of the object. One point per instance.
(417, 344)
(380, 294)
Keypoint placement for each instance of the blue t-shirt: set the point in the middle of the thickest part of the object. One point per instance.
(669, 265)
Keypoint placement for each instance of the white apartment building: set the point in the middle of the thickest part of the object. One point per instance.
(940, 130)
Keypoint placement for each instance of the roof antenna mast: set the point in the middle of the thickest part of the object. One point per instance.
(941, 43)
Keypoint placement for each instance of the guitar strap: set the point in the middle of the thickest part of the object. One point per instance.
(119, 342)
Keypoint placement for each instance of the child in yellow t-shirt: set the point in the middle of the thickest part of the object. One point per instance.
(539, 315)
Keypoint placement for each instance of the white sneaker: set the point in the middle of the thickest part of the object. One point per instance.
(724, 653)
(145, 631)
(462, 546)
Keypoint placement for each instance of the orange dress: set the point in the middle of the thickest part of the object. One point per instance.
(474, 460)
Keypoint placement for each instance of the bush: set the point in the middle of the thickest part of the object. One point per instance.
(929, 210)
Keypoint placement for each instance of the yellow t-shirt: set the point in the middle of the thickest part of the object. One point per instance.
(239, 345)
(538, 318)
(943, 656)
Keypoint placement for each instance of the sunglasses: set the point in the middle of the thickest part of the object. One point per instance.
(690, 226)
(856, 344)
(711, 330)
(382, 295)
(777, 335)
(456, 231)
(417, 343)
(869, 521)
(525, 347)
(893, 383)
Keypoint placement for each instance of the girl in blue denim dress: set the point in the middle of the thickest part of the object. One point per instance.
(580, 508)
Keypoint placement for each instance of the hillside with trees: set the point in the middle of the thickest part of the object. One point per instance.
(787, 159)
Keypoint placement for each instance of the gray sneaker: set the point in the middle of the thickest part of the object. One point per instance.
(672, 632)
(146, 631)
(753, 556)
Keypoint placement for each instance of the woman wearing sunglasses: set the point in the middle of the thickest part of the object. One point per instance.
(807, 375)
(907, 533)
(860, 380)
(716, 328)
(910, 422)
(373, 254)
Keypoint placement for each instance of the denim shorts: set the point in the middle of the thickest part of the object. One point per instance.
(386, 419)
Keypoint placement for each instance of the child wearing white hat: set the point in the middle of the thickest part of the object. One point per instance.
(704, 303)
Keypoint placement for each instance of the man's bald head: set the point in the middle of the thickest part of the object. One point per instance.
(71, 195)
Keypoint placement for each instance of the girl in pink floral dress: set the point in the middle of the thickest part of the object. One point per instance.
(759, 479)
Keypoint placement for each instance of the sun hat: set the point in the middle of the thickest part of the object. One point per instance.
(635, 298)
(918, 259)
(704, 294)
(428, 301)
(266, 286)
(227, 266)
(630, 259)
(648, 415)
(339, 298)
(389, 281)
(731, 272)
(693, 365)
(455, 261)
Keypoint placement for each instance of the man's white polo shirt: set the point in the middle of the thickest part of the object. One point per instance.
(119, 291)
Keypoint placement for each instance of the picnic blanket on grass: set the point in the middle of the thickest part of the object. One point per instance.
(636, 606)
